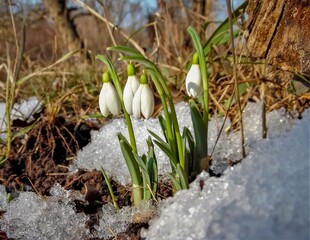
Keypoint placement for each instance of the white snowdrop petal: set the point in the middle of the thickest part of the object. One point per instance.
(102, 102)
(134, 83)
(113, 102)
(147, 101)
(128, 97)
(193, 82)
(136, 104)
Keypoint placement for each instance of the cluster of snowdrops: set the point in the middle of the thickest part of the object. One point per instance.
(186, 152)
(138, 96)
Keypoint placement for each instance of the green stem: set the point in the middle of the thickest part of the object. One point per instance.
(173, 117)
(204, 74)
(177, 133)
(162, 97)
(119, 90)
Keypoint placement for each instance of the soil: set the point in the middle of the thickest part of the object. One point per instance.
(41, 159)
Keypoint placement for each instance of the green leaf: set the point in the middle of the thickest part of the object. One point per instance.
(162, 123)
(165, 147)
(97, 115)
(126, 50)
(152, 165)
(133, 168)
(179, 179)
(188, 137)
(219, 33)
(107, 180)
(145, 177)
(201, 137)
(23, 131)
(182, 176)
(175, 182)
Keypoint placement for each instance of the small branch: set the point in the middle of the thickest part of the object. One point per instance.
(228, 4)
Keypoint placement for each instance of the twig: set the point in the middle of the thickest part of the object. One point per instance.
(228, 4)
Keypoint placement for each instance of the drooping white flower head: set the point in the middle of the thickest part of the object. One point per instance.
(108, 99)
(131, 87)
(193, 82)
(143, 101)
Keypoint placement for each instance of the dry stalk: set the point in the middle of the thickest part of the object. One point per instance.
(228, 4)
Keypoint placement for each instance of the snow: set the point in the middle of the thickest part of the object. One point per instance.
(23, 111)
(32, 217)
(264, 197)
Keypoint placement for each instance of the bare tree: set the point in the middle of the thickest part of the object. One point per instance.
(65, 29)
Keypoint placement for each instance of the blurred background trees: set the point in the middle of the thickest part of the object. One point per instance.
(55, 27)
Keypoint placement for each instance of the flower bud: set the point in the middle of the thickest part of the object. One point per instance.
(193, 82)
(143, 101)
(108, 99)
(131, 87)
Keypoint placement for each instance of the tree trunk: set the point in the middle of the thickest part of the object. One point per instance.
(65, 29)
(279, 31)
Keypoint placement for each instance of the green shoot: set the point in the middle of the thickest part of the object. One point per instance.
(107, 180)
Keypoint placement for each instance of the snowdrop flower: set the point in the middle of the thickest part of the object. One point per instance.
(131, 87)
(193, 82)
(108, 98)
(143, 101)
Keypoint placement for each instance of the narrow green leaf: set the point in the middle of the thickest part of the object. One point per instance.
(165, 147)
(107, 180)
(131, 163)
(188, 137)
(175, 182)
(152, 165)
(162, 123)
(23, 131)
(182, 176)
(201, 136)
(126, 50)
(133, 168)
(145, 177)
(224, 27)
(153, 173)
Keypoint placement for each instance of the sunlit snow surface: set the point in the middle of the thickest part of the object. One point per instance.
(264, 197)
(104, 150)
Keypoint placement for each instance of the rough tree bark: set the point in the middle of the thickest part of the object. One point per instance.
(65, 28)
(279, 31)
